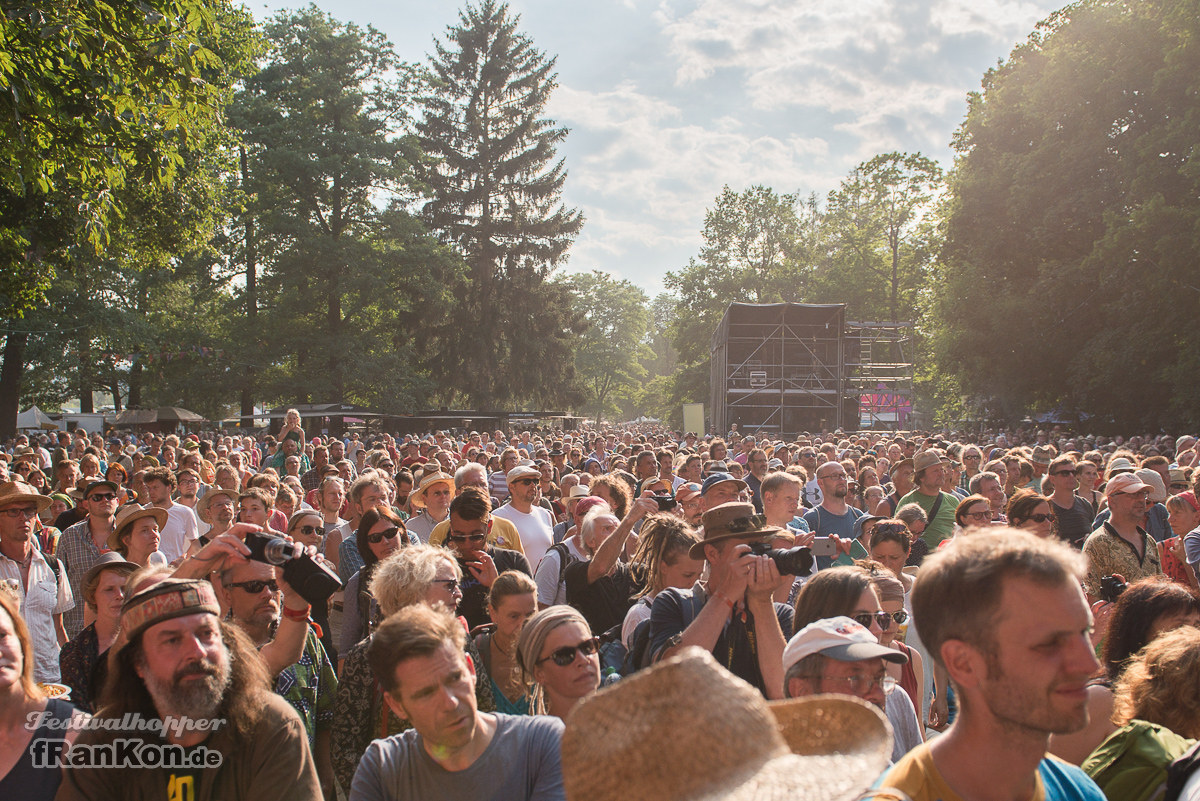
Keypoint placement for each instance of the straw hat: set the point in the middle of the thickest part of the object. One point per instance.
(647, 737)
(417, 496)
(126, 516)
(14, 492)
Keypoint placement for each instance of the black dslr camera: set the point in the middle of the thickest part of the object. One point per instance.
(791, 562)
(315, 581)
(1111, 588)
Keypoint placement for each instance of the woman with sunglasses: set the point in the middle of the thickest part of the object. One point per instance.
(380, 533)
(973, 511)
(306, 528)
(849, 591)
(911, 675)
(1030, 511)
(559, 660)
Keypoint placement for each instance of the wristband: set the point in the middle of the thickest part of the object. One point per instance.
(297, 614)
(725, 599)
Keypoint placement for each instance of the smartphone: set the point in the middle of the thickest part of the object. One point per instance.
(824, 546)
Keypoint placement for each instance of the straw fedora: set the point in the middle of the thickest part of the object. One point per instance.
(733, 520)
(14, 492)
(126, 516)
(417, 496)
(647, 737)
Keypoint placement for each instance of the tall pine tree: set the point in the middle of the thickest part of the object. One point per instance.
(496, 198)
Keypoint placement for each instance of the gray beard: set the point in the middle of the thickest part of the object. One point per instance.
(198, 700)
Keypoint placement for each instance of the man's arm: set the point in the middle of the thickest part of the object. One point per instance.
(610, 550)
(765, 579)
(288, 646)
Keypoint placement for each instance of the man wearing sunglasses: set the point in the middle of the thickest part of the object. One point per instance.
(1120, 545)
(43, 589)
(481, 562)
(535, 525)
(259, 602)
(81, 544)
(1074, 514)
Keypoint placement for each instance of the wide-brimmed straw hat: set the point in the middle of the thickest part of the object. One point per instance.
(417, 496)
(14, 492)
(205, 503)
(127, 515)
(733, 520)
(647, 737)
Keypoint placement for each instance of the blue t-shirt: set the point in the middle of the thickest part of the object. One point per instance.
(918, 777)
(822, 522)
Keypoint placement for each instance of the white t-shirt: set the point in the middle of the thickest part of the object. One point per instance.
(535, 529)
(182, 527)
(1191, 790)
(550, 590)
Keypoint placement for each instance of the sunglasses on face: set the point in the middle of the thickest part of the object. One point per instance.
(102, 496)
(311, 531)
(451, 585)
(883, 619)
(899, 616)
(566, 655)
(525, 481)
(256, 586)
(1041, 518)
(377, 537)
(459, 539)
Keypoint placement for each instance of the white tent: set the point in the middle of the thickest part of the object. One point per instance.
(33, 417)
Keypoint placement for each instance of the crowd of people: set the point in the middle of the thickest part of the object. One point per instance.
(532, 614)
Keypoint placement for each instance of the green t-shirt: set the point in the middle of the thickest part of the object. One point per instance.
(941, 527)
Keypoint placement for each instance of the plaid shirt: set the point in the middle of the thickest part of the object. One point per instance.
(78, 552)
(310, 686)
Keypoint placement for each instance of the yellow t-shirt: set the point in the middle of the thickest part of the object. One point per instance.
(503, 534)
(918, 777)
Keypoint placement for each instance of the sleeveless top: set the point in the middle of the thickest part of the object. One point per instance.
(908, 678)
(25, 781)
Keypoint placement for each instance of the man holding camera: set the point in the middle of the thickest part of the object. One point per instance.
(470, 524)
(602, 587)
(732, 614)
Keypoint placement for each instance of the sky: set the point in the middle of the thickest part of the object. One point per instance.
(668, 101)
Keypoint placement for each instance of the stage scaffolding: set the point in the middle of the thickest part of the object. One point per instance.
(783, 368)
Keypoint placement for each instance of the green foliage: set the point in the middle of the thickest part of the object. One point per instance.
(94, 96)
(346, 288)
(495, 197)
(1071, 241)
(609, 352)
(879, 237)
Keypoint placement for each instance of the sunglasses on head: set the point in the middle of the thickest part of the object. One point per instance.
(866, 618)
(377, 537)
(566, 655)
(256, 586)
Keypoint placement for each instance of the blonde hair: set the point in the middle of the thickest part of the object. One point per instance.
(403, 578)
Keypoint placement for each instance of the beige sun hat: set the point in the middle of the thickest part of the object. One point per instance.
(647, 737)
(417, 496)
(130, 513)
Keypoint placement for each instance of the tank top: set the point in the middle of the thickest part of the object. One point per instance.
(25, 781)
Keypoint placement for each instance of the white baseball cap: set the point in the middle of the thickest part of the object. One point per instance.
(838, 638)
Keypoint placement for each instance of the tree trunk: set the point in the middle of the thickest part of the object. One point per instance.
(10, 382)
(135, 385)
(85, 376)
(251, 299)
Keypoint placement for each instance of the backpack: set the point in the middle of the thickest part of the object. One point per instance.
(565, 560)
(1180, 771)
(637, 655)
(1131, 765)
